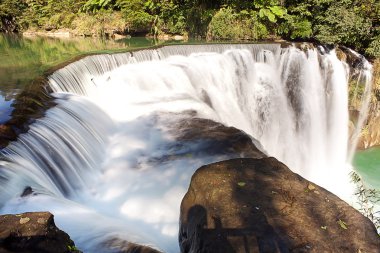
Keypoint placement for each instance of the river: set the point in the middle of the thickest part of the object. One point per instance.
(108, 161)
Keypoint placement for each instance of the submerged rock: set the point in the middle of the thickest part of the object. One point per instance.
(216, 138)
(33, 232)
(121, 246)
(259, 205)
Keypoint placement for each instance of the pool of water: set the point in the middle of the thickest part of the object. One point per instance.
(367, 163)
(23, 59)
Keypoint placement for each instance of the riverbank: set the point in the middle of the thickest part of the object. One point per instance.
(111, 34)
(331, 22)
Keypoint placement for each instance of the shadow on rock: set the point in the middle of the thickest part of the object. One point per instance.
(260, 206)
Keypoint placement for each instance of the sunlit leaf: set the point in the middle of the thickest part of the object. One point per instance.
(342, 224)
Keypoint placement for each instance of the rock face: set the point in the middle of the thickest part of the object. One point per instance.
(31, 233)
(370, 134)
(259, 205)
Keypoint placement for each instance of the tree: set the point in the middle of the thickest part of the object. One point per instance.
(10, 12)
(341, 24)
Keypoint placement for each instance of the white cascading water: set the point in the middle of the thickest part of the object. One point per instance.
(364, 79)
(96, 159)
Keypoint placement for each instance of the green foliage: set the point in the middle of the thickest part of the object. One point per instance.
(136, 14)
(170, 17)
(101, 23)
(96, 5)
(227, 24)
(367, 199)
(49, 14)
(353, 23)
(272, 13)
(341, 25)
(374, 47)
(10, 12)
(73, 249)
(295, 27)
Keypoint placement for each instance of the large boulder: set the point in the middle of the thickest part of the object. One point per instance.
(32, 233)
(259, 205)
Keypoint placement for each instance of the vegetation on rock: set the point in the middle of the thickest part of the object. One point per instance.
(367, 198)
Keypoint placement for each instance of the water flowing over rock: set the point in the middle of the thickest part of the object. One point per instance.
(370, 135)
(259, 205)
(126, 132)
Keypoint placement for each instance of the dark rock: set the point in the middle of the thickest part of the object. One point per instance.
(217, 138)
(7, 132)
(120, 246)
(27, 191)
(29, 105)
(184, 136)
(259, 205)
(32, 233)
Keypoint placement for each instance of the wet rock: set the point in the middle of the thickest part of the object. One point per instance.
(217, 138)
(259, 205)
(7, 132)
(29, 105)
(120, 246)
(184, 136)
(370, 133)
(27, 191)
(33, 232)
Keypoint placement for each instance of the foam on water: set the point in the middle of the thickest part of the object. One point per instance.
(106, 160)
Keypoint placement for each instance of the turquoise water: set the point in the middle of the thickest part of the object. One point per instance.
(367, 163)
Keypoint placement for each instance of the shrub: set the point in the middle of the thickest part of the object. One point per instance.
(374, 47)
(101, 23)
(341, 25)
(295, 28)
(227, 24)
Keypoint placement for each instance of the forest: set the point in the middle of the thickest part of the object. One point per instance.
(352, 23)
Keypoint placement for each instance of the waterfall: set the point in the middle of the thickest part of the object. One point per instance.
(109, 151)
(364, 79)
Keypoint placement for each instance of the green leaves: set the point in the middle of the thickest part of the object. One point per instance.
(95, 5)
(272, 13)
(268, 14)
(278, 11)
(229, 24)
(342, 224)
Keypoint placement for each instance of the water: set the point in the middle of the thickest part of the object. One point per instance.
(111, 152)
(367, 163)
(25, 58)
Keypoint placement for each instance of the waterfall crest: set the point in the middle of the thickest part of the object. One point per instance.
(105, 147)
